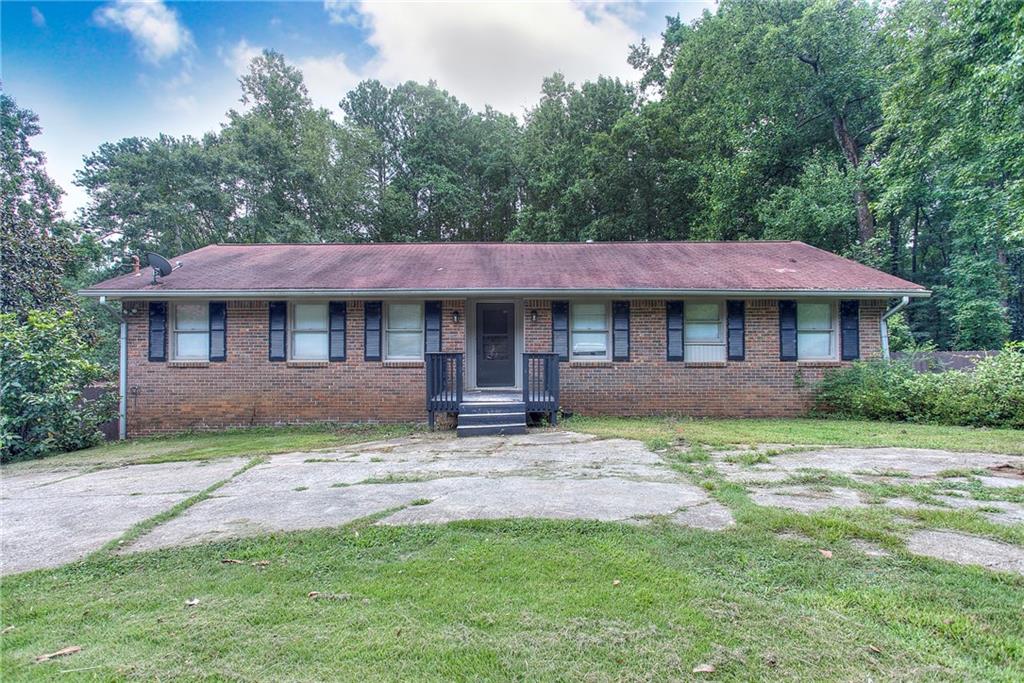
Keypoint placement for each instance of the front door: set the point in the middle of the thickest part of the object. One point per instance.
(495, 345)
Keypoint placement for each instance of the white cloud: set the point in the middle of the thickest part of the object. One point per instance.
(342, 12)
(497, 53)
(38, 19)
(328, 79)
(156, 30)
(238, 56)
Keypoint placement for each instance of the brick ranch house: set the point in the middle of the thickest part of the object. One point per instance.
(259, 334)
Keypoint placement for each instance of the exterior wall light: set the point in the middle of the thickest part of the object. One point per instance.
(455, 316)
(533, 316)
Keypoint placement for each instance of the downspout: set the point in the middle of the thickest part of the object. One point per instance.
(884, 326)
(122, 374)
(122, 381)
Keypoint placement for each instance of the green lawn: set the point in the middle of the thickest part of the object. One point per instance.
(515, 600)
(229, 443)
(535, 600)
(660, 432)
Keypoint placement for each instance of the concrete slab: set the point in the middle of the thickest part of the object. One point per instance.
(607, 499)
(548, 474)
(62, 519)
(1001, 482)
(50, 517)
(966, 549)
(710, 516)
(917, 462)
(806, 499)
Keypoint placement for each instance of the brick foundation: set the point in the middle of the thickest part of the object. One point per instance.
(248, 389)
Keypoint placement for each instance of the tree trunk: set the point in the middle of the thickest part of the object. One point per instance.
(848, 146)
(913, 253)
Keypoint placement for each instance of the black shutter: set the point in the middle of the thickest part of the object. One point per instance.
(432, 326)
(278, 338)
(560, 329)
(371, 330)
(849, 328)
(157, 331)
(218, 331)
(620, 330)
(674, 330)
(734, 316)
(337, 315)
(787, 330)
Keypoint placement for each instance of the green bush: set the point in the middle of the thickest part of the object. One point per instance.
(990, 396)
(45, 367)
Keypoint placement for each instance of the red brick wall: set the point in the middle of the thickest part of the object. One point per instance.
(248, 389)
(759, 386)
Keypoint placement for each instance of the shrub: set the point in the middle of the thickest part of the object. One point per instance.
(990, 396)
(45, 367)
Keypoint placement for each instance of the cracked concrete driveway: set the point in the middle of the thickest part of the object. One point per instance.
(49, 518)
(52, 518)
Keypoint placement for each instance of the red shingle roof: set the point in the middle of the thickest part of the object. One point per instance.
(639, 267)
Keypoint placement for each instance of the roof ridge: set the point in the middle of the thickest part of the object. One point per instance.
(413, 244)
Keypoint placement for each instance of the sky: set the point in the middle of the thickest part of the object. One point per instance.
(99, 72)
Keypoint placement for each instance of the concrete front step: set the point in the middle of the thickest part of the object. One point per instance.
(469, 420)
(491, 407)
(491, 429)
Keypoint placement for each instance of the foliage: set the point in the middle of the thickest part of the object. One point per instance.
(280, 170)
(901, 337)
(990, 396)
(45, 367)
(33, 257)
(891, 133)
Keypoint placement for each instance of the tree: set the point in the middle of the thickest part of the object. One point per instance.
(278, 171)
(758, 88)
(166, 194)
(952, 160)
(438, 170)
(296, 175)
(33, 257)
(46, 365)
(559, 193)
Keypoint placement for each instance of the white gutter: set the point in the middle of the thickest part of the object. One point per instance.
(884, 326)
(459, 293)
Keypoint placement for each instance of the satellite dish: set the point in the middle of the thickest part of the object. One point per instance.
(159, 263)
(161, 266)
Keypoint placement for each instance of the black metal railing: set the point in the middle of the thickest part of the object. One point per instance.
(540, 384)
(444, 384)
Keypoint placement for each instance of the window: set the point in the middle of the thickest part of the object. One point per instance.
(192, 331)
(589, 332)
(704, 332)
(309, 332)
(404, 331)
(815, 334)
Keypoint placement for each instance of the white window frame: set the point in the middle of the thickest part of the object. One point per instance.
(388, 331)
(833, 331)
(293, 330)
(691, 346)
(607, 331)
(175, 355)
